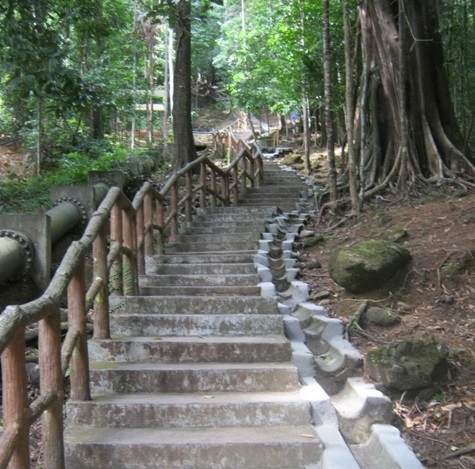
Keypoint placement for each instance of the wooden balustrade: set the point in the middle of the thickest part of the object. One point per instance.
(120, 236)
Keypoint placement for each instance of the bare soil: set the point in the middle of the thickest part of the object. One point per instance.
(435, 298)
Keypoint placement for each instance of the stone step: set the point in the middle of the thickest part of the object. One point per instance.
(199, 279)
(217, 228)
(289, 447)
(272, 190)
(115, 377)
(276, 199)
(227, 257)
(197, 290)
(217, 246)
(230, 217)
(165, 349)
(139, 305)
(184, 325)
(255, 213)
(206, 269)
(176, 410)
(284, 204)
(272, 196)
(225, 236)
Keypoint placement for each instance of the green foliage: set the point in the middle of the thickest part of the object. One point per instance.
(457, 21)
(269, 52)
(31, 195)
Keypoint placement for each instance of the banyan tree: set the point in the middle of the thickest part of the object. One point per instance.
(406, 129)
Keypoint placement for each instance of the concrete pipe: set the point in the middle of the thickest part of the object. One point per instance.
(69, 212)
(16, 255)
(16, 250)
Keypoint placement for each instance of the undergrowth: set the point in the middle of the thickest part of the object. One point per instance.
(20, 194)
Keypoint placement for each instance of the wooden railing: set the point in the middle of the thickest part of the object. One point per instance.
(120, 235)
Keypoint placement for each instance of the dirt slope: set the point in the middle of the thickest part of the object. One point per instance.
(436, 298)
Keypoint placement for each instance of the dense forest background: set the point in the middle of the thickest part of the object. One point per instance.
(390, 81)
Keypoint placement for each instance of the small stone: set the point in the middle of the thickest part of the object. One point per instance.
(326, 301)
(313, 241)
(306, 233)
(383, 317)
(320, 295)
(401, 306)
(313, 265)
(394, 235)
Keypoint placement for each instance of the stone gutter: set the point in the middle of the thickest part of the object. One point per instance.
(350, 416)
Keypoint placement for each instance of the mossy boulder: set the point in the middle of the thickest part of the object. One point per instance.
(409, 364)
(367, 265)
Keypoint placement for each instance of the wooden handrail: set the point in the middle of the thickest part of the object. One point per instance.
(120, 235)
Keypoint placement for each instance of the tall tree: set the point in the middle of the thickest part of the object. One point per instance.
(185, 150)
(329, 103)
(350, 110)
(434, 145)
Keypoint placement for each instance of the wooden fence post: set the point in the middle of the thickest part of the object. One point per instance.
(101, 302)
(225, 188)
(52, 383)
(129, 261)
(15, 400)
(148, 220)
(203, 186)
(213, 189)
(117, 286)
(140, 235)
(77, 317)
(174, 209)
(160, 219)
(189, 197)
(236, 186)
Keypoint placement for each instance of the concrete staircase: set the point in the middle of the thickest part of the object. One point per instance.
(199, 373)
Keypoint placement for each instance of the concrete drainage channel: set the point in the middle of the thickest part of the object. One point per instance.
(349, 415)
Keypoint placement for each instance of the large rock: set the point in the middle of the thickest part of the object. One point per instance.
(409, 364)
(367, 265)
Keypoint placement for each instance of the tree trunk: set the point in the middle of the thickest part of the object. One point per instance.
(185, 151)
(306, 130)
(413, 114)
(328, 104)
(166, 94)
(349, 113)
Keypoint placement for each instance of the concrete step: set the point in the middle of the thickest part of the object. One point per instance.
(184, 325)
(199, 280)
(293, 189)
(212, 247)
(227, 257)
(225, 236)
(177, 410)
(231, 217)
(254, 213)
(285, 205)
(139, 305)
(289, 447)
(218, 228)
(206, 269)
(166, 349)
(197, 290)
(115, 377)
